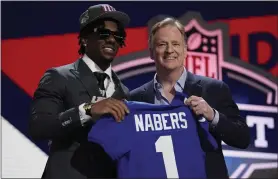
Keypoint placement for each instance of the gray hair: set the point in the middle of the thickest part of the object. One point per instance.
(163, 23)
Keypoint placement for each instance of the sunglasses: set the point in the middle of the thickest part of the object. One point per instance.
(106, 33)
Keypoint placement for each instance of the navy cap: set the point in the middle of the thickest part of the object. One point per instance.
(102, 11)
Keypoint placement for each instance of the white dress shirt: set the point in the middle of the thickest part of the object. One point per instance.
(179, 87)
(108, 83)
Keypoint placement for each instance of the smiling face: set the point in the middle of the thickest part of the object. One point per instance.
(168, 48)
(103, 44)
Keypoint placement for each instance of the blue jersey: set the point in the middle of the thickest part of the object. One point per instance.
(154, 141)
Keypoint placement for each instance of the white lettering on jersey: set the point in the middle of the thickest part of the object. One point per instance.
(183, 121)
(139, 122)
(158, 122)
(149, 122)
(164, 120)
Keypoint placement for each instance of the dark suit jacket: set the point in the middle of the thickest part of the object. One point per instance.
(55, 117)
(231, 128)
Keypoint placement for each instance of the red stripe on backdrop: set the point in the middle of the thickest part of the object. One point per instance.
(25, 60)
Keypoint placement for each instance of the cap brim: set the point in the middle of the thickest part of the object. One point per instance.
(117, 15)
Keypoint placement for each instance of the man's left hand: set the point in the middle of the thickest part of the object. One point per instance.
(200, 107)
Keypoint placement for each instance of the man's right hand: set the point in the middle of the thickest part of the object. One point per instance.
(117, 108)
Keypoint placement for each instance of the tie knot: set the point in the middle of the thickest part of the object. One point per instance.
(100, 76)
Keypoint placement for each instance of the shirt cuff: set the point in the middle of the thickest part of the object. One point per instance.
(82, 113)
(215, 120)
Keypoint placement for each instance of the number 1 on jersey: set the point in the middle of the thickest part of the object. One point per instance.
(164, 144)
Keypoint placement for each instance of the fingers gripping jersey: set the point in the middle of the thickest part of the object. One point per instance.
(159, 141)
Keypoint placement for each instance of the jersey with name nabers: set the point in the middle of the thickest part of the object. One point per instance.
(156, 141)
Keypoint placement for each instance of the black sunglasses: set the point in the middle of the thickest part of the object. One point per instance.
(106, 33)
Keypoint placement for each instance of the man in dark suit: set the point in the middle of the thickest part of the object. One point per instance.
(70, 98)
(209, 98)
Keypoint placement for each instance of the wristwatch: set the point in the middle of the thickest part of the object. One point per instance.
(87, 107)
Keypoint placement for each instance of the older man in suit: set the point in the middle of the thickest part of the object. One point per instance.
(67, 100)
(209, 99)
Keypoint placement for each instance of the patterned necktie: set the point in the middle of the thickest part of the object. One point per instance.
(101, 77)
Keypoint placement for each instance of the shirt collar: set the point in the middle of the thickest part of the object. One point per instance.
(95, 68)
(180, 82)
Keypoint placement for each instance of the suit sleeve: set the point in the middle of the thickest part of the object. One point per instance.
(113, 137)
(49, 119)
(231, 127)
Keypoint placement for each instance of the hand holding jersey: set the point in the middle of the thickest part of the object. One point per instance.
(200, 107)
(115, 107)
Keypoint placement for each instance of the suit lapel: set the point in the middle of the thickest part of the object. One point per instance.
(192, 85)
(119, 92)
(86, 77)
(148, 95)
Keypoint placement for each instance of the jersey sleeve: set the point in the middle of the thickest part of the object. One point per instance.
(114, 137)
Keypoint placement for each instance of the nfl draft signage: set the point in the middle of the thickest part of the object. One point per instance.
(254, 91)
